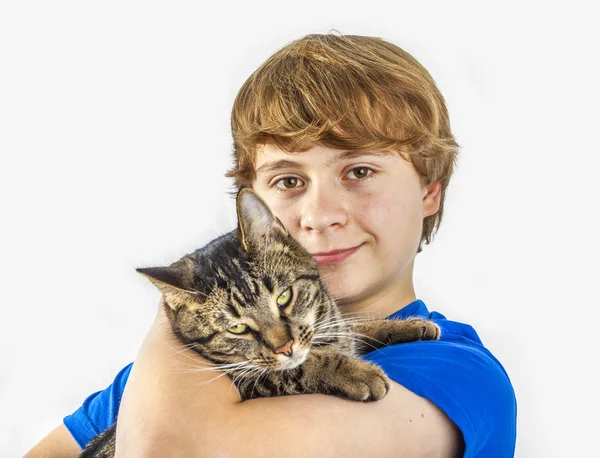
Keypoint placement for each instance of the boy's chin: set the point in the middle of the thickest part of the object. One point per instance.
(345, 289)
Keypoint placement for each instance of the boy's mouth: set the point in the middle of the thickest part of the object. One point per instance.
(334, 256)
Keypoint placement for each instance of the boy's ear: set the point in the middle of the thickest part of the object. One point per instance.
(255, 218)
(431, 199)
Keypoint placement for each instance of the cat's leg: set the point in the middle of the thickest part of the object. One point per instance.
(375, 334)
(325, 371)
(349, 377)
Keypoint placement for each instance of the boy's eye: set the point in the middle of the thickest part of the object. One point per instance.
(361, 172)
(284, 298)
(238, 329)
(289, 182)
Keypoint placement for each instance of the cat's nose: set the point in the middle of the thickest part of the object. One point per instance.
(286, 349)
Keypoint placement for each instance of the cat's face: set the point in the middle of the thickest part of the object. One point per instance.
(251, 297)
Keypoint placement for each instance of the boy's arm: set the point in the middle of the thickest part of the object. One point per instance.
(169, 412)
(57, 444)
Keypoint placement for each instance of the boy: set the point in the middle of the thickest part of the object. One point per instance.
(348, 140)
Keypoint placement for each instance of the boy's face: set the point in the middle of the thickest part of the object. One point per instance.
(371, 205)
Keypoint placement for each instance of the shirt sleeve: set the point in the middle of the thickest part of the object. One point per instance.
(462, 378)
(98, 411)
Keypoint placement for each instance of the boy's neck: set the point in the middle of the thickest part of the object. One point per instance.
(386, 301)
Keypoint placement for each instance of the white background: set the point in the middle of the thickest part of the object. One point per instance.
(114, 138)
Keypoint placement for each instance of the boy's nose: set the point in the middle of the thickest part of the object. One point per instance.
(322, 210)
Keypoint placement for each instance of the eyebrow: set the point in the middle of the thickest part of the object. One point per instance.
(273, 166)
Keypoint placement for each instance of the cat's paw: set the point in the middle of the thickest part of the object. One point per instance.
(363, 382)
(425, 329)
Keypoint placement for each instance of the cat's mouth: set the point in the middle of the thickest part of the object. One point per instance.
(295, 360)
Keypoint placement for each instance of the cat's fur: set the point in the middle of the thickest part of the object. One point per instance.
(303, 346)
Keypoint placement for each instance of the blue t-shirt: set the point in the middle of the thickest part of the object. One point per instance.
(456, 373)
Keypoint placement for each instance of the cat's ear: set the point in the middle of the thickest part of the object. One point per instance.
(255, 218)
(171, 281)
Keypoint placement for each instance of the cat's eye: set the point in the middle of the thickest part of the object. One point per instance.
(238, 329)
(284, 298)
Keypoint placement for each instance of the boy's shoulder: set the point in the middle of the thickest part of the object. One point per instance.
(99, 410)
(460, 376)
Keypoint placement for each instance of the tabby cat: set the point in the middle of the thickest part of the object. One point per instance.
(252, 302)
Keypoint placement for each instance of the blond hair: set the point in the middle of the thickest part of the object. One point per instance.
(346, 92)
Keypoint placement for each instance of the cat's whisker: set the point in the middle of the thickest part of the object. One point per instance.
(347, 333)
(334, 327)
(248, 361)
(246, 374)
(195, 370)
(351, 336)
(256, 381)
(233, 383)
(322, 343)
(340, 321)
(196, 366)
(209, 381)
(373, 339)
(185, 345)
(229, 370)
(243, 370)
(327, 343)
(181, 352)
(358, 343)
(236, 378)
(233, 366)
(194, 360)
(180, 349)
(208, 363)
(215, 367)
(253, 372)
(359, 314)
(350, 319)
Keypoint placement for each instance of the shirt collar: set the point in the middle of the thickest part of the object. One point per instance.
(415, 308)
